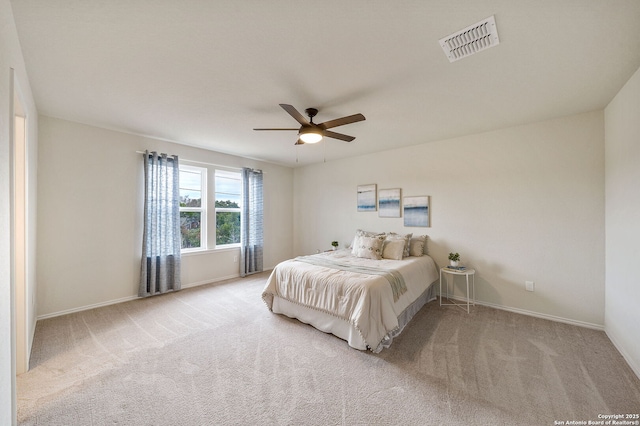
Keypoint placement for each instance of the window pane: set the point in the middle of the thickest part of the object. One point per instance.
(228, 192)
(228, 186)
(190, 198)
(226, 174)
(226, 200)
(190, 229)
(227, 228)
(193, 208)
(190, 179)
(190, 188)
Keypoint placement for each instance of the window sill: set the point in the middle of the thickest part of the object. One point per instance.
(209, 251)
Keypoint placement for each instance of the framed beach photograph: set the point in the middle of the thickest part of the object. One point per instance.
(367, 201)
(389, 202)
(416, 211)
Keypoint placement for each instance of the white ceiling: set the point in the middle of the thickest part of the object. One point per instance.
(205, 73)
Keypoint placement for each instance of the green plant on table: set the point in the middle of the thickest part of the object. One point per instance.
(454, 256)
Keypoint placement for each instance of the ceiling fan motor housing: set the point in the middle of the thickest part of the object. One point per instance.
(311, 112)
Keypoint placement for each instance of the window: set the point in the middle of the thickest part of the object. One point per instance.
(226, 190)
(228, 199)
(193, 207)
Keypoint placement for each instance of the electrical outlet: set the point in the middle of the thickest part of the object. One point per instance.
(529, 285)
(235, 258)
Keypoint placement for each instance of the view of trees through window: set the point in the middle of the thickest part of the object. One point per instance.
(227, 204)
(190, 229)
(192, 207)
(227, 223)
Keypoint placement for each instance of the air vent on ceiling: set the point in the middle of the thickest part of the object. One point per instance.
(473, 39)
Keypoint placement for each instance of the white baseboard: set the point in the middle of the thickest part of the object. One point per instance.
(31, 336)
(127, 299)
(635, 368)
(199, 283)
(536, 314)
(625, 355)
(86, 307)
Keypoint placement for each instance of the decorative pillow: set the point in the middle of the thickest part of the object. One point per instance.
(362, 233)
(393, 249)
(418, 245)
(407, 241)
(356, 240)
(370, 247)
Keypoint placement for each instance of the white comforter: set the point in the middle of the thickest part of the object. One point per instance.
(364, 300)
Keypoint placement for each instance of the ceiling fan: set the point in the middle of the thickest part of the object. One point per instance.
(310, 132)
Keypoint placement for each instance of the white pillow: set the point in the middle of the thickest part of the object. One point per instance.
(393, 249)
(406, 238)
(418, 246)
(356, 240)
(370, 247)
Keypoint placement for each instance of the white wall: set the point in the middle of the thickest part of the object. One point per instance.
(90, 216)
(11, 57)
(522, 203)
(622, 134)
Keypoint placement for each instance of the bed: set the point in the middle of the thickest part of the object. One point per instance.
(365, 300)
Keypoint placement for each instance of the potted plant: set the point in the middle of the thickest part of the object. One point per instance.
(454, 259)
(335, 245)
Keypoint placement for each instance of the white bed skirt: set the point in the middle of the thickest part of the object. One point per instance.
(344, 329)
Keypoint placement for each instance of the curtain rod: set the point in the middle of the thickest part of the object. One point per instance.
(202, 162)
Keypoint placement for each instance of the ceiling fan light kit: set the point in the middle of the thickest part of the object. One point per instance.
(310, 135)
(310, 132)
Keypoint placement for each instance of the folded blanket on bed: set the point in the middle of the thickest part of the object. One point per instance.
(395, 279)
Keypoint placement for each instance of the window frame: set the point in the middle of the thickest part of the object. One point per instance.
(203, 209)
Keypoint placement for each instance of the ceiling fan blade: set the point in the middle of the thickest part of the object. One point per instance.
(278, 129)
(340, 136)
(295, 114)
(299, 142)
(342, 121)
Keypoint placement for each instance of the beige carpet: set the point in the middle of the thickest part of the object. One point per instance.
(214, 355)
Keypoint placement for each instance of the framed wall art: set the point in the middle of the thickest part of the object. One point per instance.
(367, 201)
(389, 202)
(416, 211)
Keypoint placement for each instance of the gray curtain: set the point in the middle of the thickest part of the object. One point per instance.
(161, 243)
(251, 244)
